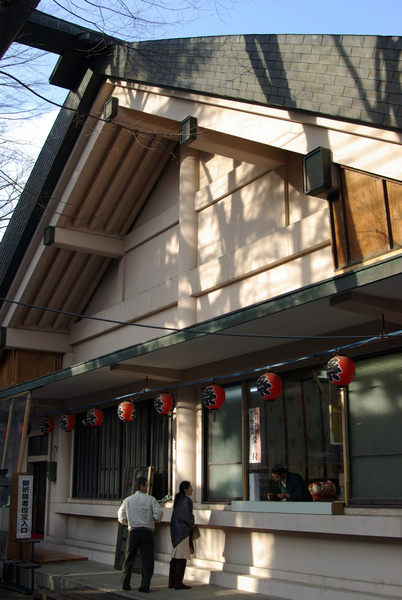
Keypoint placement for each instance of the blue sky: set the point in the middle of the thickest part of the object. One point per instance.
(225, 17)
(372, 17)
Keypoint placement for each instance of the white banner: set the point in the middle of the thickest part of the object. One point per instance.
(24, 514)
(254, 435)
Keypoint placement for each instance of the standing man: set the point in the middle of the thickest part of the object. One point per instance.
(140, 512)
(289, 486)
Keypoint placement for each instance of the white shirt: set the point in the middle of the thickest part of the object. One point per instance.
(140, 510)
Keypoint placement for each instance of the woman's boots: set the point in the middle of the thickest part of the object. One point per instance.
(180, 568)
(176, 574)
(172, 573)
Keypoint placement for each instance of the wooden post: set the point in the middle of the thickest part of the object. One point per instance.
(10, 414)
(24, 432)
(13, 548)
(345, 436)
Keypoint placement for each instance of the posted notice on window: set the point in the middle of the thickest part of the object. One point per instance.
(254, 435)
(24, 514)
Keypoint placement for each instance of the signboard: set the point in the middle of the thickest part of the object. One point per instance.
(24, 511)
(254, 435)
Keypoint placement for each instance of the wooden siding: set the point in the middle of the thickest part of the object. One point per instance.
(18, 366)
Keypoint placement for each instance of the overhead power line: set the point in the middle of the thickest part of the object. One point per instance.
(196, 329)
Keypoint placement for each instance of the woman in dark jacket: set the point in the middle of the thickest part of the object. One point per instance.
(181, 527)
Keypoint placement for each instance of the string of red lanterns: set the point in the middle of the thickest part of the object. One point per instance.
(340, 371)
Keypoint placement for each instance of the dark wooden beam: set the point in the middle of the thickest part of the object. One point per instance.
(13, 16)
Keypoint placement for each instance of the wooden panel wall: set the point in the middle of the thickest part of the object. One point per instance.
(18, 366)
(366, 218)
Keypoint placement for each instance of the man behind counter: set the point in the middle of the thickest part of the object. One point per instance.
(288, 486)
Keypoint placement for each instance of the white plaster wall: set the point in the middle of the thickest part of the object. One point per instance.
(151, 263)
(241, 218)
(300, 272)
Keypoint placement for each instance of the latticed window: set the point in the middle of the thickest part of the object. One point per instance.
(102, 454)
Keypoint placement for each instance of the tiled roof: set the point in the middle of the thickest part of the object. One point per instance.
(350, 77)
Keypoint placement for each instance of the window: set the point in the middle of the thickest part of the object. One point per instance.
(299, 430)
(375, 418)
(102, 454)
(366, 218)
(223, 428)
(38, 445)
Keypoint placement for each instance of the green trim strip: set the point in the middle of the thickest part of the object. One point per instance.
(334, 286)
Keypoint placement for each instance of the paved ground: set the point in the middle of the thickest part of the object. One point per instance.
(97, 576)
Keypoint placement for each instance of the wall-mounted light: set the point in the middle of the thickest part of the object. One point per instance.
(188, 130)
(317, 176)
(110, 108)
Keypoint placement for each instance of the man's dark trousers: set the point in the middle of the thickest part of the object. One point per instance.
(141, 539)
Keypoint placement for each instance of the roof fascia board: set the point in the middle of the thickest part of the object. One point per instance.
(55, 35)
(283, 113)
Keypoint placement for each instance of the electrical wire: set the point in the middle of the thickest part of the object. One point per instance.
(196, 330)
(220, 378)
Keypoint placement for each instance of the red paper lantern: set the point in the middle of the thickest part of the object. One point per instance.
(164, 403)
(269, 386)
(46, 425)
(21, 427)
(94, 417)
(340, 370)
(213, 397)
(67, 422)
(127, 411)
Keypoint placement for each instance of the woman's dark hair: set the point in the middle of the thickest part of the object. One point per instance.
(278, 470)
(180, 494)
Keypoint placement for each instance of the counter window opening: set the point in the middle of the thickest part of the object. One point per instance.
(303, 429)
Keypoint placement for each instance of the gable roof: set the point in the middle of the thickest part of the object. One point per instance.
(353, 78)
(350, 77)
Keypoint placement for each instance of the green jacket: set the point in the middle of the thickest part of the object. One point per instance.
(295, 486)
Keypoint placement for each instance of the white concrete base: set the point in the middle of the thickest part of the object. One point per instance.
(284, 586)
(293, 508)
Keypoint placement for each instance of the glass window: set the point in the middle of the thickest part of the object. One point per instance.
(299, 430)
(375, 418)
(224, 448)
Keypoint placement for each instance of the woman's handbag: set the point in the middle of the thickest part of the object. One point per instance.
(196, 533)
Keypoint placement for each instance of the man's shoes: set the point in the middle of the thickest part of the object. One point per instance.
(183, 586)
(127, 587)
(146, 591)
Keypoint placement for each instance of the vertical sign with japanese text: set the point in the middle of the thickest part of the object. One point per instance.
(254, 435)
(24, 514)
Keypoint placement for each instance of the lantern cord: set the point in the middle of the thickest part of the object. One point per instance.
(239, 374)
(192, 330)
